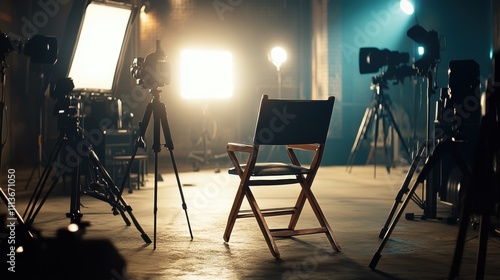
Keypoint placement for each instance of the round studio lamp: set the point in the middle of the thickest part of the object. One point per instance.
(278, 56)
(407, 7)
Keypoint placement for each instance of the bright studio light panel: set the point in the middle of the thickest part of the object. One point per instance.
(99, 46)
(206, 74)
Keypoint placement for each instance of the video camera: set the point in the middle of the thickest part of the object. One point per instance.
(152, 72)
(372, 59)
(41, 49)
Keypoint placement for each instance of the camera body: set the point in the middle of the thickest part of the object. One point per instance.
(152, 72)
(371, 59)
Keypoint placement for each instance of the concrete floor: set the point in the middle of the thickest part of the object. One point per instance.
(356, 205)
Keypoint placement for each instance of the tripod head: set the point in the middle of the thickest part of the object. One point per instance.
(394, 73)
(155, 92)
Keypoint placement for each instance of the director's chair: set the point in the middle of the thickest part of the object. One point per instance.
(296, 125)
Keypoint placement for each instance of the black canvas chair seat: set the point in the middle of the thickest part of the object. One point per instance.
(294, 125)
(273, 169)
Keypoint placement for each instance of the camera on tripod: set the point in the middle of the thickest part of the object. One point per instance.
(372, 59)
(152, 72)
(41, 49)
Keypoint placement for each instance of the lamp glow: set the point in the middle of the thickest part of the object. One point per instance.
(278, 56)
(407, 7)
(99, 47)
(206, 74)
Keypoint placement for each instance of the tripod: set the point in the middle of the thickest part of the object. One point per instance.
(379, 109)
(158, 109)
(78, 155)
(449, 144)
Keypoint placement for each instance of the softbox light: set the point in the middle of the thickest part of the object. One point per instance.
(99, 46)
(206, 74)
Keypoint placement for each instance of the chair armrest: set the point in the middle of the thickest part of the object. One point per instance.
(317, 149)
(238, 147)
(307, 147)
(233, 148)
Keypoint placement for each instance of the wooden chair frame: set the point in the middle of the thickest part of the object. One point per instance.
(304, 176)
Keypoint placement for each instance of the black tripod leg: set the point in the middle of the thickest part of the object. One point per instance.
(464, 220)
(108, 187)
(157, 111)
(31, 218)
(385, 129)
(12, 211)
(74, 212)
(483, 245)
(143, 125)
(462, 235)
(420, 178)
(184, 205)
(363, 129)
(35, 196)
(403, 190)
(36, 168)
(170, 146)
(393, 122)
(121, 203)
(377, 119)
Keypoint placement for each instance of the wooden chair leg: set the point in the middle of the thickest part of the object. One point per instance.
(262, 224)
(234, 213)
(299, 205)
(321, 218)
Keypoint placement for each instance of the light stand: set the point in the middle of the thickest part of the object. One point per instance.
(278, 56)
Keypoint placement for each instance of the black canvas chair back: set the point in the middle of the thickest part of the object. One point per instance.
(282, 122)
(296, 125)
